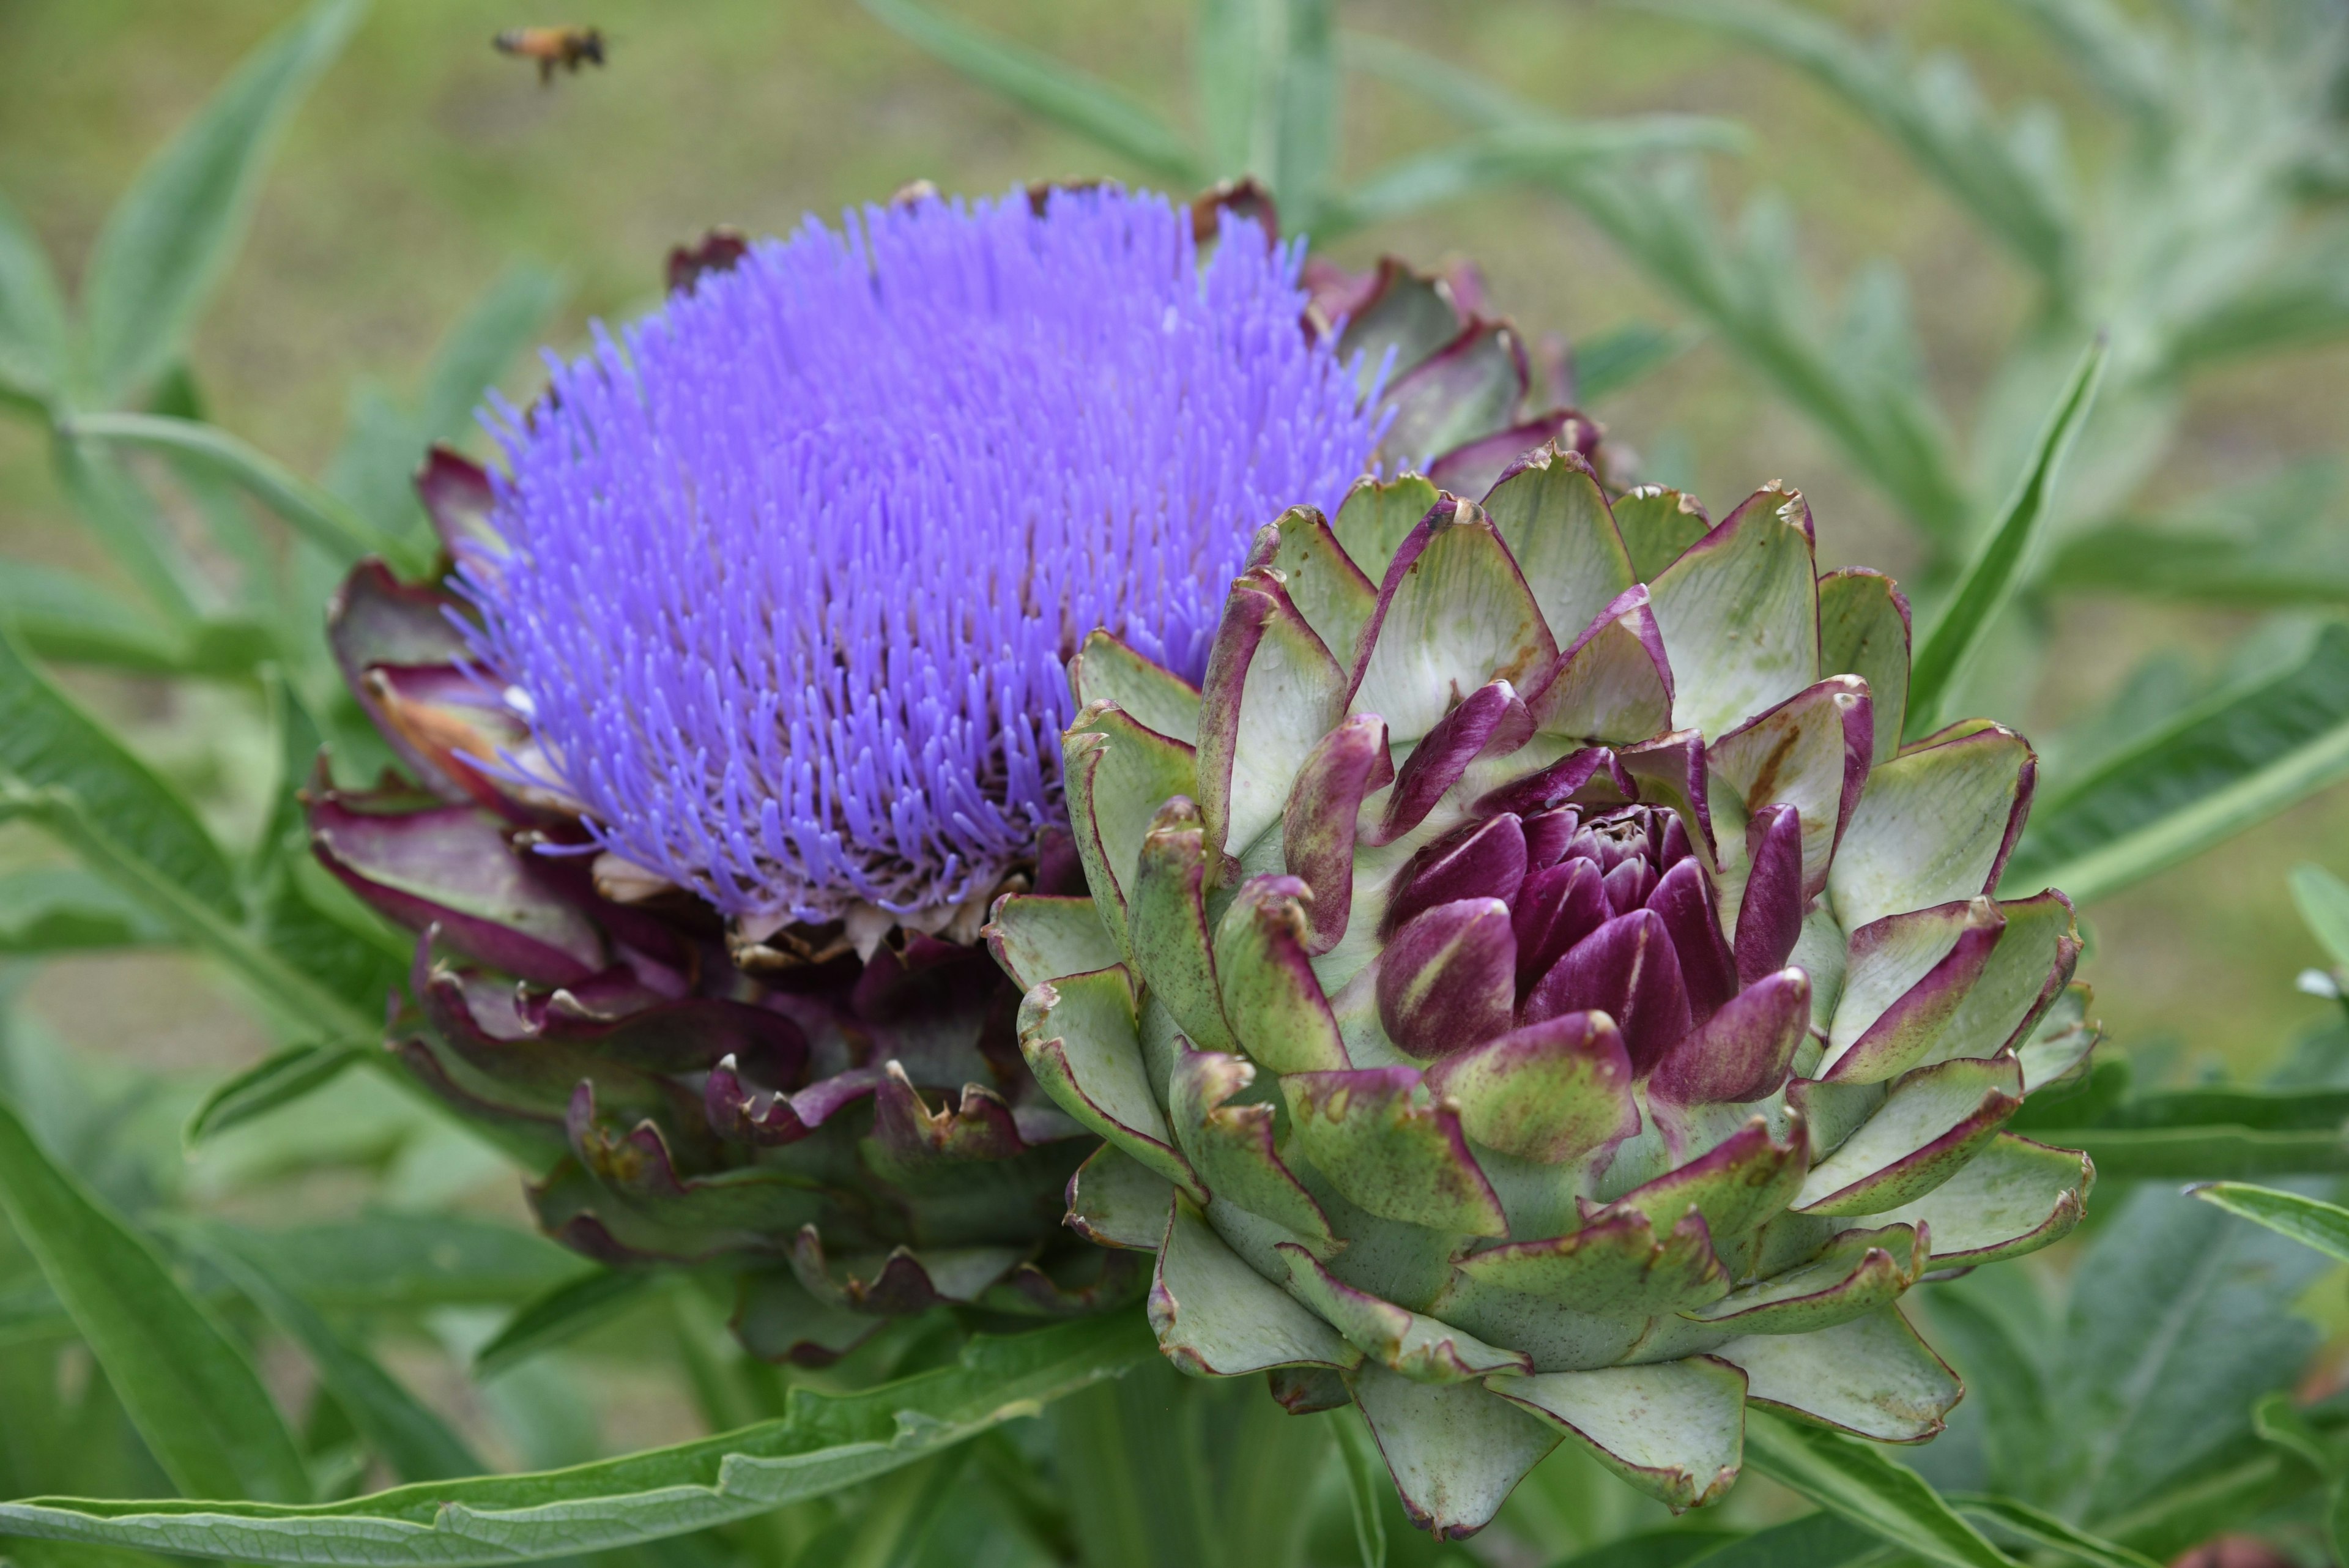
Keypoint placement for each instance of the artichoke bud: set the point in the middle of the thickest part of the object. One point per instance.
(1532, 995)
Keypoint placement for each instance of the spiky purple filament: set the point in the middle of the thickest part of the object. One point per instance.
(792, 571)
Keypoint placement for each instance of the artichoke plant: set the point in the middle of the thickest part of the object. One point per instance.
(736, 708)
(1528, 990)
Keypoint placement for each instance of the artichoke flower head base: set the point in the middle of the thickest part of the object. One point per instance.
(1527, 991)
(739, 704)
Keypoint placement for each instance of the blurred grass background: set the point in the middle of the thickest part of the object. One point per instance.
(425, 163)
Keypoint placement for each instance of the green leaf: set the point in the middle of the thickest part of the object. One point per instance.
(2178, 1322)
(1672, 1547)
(2311, 1221)
(827, 1441)
(301, 913)
(1991, 1327)
(2283, 1425)
(187, 1387)
(383, 443)
(897, 1515)
(300, 999)
(416, 1443)
(1130, 1461)
(2297, 307)
(125, 521)
(1861, 1482)
(380, 1262)
(1227, 64)
(562, 1314)
(1934, 115)
(46, 739)
(2234, 759)
(1607, 362)
(1049, 89)
(1824, 1539)
(64, 908)
(2323, 902)
(2118, 55)
(2038, 1531)
(274, 1081)
(171, 236)
(2003, 560)
(2212, 1502)
(502, 324)
(1366, 1484)
(319, 516)
(1305, 112)
(1749, 298)
(2194, 568)
(1515, 154)
(2207, 1153)
(33, 335)
(69, 618)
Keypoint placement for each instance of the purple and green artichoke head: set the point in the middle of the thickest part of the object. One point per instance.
(1528, 991)
(739, 704)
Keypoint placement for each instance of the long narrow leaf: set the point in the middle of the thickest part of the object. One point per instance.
(2295, 309)
(373, 469)
(48, 740)
(319, 516)
(1945, 133)
(1305, 112)
(1862, 1483)
(826, 1442)
(64, 908)
(2196, 567)
(416, 1443)
(2311, 1221)
(187, 1387)
(277, 1080)
(300, 999)
(560, 1315)
(2215, 769)
(1663, 222)
(2037, 1530)
(128, 526)
(1515, 155)
(2322, 900)
(2207, 1153)
(502, 324)
(1607, 362)
(383, 1261)
(1670, 1548)
(2000, 566)
(1365, 1475)
(1228, 68)
(1823, 1540)
(65, 616)
(1044, 86)
(32, 330)
(171, 236)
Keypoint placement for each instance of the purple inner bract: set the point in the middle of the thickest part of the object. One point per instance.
(792, 569)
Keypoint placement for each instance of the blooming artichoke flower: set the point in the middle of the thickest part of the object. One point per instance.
(1528, 991)
(739, 705)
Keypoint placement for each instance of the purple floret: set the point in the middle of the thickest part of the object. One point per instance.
(792, 570)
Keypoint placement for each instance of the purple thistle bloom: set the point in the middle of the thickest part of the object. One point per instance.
(791, 572)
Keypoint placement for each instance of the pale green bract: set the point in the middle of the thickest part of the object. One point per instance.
(1529, 994)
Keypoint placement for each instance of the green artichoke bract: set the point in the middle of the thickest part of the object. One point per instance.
(1528, 991)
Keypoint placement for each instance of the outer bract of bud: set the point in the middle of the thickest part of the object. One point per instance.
(1528, 991)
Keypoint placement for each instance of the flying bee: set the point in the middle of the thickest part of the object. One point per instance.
(553, 46)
